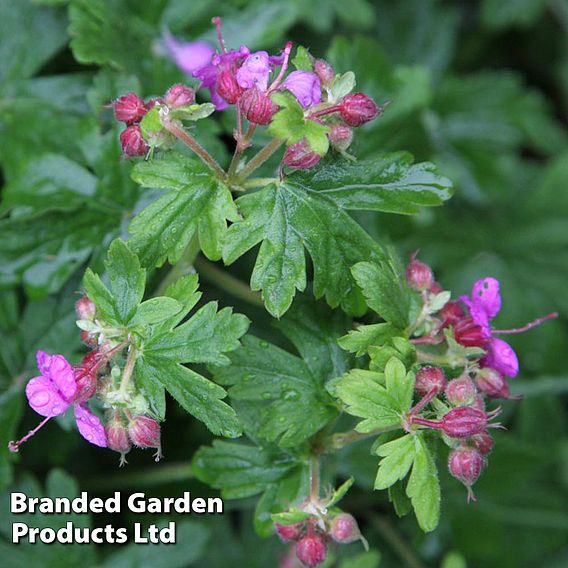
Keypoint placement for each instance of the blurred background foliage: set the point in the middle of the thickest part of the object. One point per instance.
(479, 87)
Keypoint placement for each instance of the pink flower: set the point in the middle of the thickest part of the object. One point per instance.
(305, 86)
(55, 390)
(188, 56)
(501, 357)
(254, 71)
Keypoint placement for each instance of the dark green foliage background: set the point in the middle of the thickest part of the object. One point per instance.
(479, 87)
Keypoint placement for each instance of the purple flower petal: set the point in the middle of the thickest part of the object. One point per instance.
(254, 71)
(90, 426)
(62, 374)
(305, 86)
(44, 397)
(485, 296)
(501, 357)
(189, 56)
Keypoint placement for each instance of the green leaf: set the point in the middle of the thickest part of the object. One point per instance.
(385, 291)
(398, 457)
(240, 470)
(366, 398)
(360, 339)
(156, 310)
(303, 60)
(292, 403)
(290, 125)
(423, 487)
(340, 492)
(196, 203)
(454, 560)
(291, 516)
(192, 112)
(399, 383)
(286, 218)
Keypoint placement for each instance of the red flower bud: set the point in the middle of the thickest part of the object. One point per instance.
(129, 108)
(429, 379)
(152, 103)
(469, 334)
(451, 313)
(493, 384)
(228, 87)
(88, 339)
(357, 109)
(419, 275)
(145, 433)
(482, 442)
(311, 550)
(85, 308)
(132, 141)
(464, 421)
(340, 136)
(257, 106)
(461, 391)
(86, 380)
(289, 532)
(324, 71)
(466, 464)
(179, 95)
(344, 529)
(300, 155)
(117, 438)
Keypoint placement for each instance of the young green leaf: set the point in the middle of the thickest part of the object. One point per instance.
(399, 383)
(303, 60)
(360, 339)
(240, 470)
(398, 457)
(423, 486)
(340, 492)
(364, 396)
(197, 202)
(290, 517)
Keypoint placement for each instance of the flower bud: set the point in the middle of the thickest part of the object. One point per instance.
(482, 442)
(89, 339)
(470, 334)
(419, 275)
(344, 529)
(86, 381)
(461, 391)
(340, 136)
(145, 433)
(324, 71)
(289, 532)
(228, 87)
(132, 141)
(357, 109)
(451, 313)
(300, 155)
(129, 108)
(464, 421)
(311, 550)
(85, 308)
(178, 96)
(493, 384)
(153, 102)
(257, 106)
(117, 438)
(466, 464)
(429, 379)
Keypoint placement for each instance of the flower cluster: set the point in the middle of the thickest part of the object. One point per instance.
(249, 80)
(62, 385)
(470, 348)
(321, 526)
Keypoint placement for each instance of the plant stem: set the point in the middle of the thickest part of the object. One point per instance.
(430, 358)
(225, 281)
(314, 478)
(128, 369)
(259, 182)
(396, 542)
(260, 158)
(184, 266)
(341, 439)
(243, 142)
(192, 143)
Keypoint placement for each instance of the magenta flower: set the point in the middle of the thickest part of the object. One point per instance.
(54, 391)
(305, 86)
(255, 71)
(188, 56)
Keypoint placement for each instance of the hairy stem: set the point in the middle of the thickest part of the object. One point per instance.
(128, 369)
(243, 142)
(192, 143)
(260, 158)
(314, 478)
(225, 281)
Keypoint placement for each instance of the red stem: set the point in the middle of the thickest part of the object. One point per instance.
(15, 446)
(217, 22)
(277, 81)
(530, 325)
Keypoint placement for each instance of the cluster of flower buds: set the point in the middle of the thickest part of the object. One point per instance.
(468, 347)
(61, 385)
(312, 535)
(249, 79)
(131, 110)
